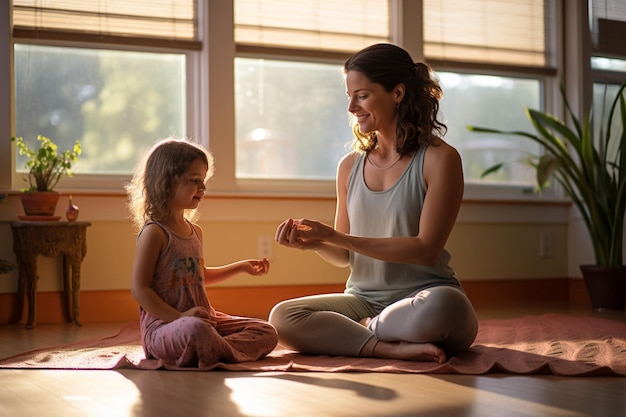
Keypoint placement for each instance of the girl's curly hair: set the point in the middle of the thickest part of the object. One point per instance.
(154, 178)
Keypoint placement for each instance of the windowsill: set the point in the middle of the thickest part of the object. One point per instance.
(107, 206)
(469, 198)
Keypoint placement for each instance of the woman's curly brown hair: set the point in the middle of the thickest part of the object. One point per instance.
(390, 65)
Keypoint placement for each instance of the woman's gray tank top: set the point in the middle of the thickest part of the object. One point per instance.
(393, 212)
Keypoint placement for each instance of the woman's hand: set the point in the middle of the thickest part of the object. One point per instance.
(304, 234)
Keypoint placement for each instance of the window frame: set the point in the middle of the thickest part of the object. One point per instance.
(404, 32)
(210, 117)
(107, 183)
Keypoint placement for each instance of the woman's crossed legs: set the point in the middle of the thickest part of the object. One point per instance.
(425, 326)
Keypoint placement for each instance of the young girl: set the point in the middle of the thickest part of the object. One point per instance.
(178, 324)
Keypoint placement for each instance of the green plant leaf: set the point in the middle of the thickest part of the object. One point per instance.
(46, 166)
(545, 169)
(491, 170)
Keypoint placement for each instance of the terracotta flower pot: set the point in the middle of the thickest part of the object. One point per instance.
(606, 286)
(39, 203)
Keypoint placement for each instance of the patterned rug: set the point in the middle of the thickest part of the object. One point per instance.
(544, 344)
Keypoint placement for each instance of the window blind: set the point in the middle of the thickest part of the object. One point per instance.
(171, 23)
(315, 25)
(502, 32)
(608, 27)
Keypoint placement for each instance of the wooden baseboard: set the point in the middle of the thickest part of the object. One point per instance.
(516, 293)
(103, 306)
(577, 293)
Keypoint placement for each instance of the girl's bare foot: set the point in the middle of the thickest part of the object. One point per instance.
(423, 352)
(365, 321)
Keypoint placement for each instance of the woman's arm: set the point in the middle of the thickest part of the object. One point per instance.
(443, 175)
(336, 255)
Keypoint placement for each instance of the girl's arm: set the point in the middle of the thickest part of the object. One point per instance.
(215, 274)
(150, 243)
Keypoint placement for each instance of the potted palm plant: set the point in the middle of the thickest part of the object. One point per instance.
(46, 166)
(592, 171)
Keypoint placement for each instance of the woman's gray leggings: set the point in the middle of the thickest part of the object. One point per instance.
(328, 324)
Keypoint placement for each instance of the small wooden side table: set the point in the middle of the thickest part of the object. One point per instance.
(49, 238)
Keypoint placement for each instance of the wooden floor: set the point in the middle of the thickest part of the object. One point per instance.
(224, 394)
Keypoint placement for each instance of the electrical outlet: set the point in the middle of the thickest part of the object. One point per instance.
(546, 245)
(265, 244)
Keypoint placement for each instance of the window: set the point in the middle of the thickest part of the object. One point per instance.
(608, 64)
(291, 115)
(500, 32)
(148, 22)
(293, 121)
(320, 26)
(608, 27)
(495, 102)
(118, 75)
(112, 74)
(116, 102)
(608, 61)
(504, 54)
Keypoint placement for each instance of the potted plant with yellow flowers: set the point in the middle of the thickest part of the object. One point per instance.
(592, 170)
(46, 166)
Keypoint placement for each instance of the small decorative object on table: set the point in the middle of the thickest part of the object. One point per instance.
(71, 213)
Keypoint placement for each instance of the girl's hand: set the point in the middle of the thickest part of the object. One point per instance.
(256, 267)
(200, 312)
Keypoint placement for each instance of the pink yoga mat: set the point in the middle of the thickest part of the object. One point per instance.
(545, 344)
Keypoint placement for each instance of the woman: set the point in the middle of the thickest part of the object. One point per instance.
(398, 195)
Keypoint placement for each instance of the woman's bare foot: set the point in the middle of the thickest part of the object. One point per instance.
(410, 351)
(365, 321)
(423, 352)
